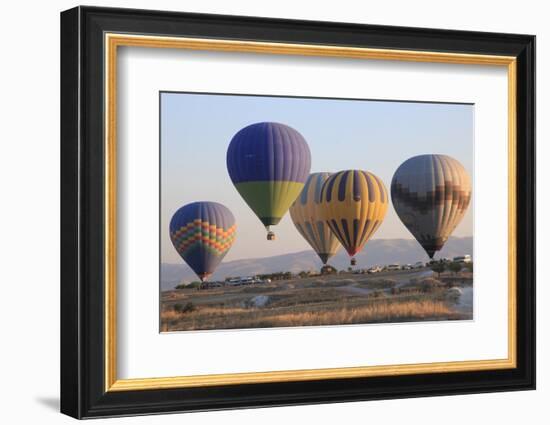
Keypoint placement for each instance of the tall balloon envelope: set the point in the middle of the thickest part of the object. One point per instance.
(307, 216)
(431, 194)
(268, 163)
(202, 233)
(354, 204)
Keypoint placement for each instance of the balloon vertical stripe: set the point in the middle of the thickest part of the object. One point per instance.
(306, 215)
(354, 204)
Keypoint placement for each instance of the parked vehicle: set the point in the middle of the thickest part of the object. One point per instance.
(418, 265)
(407, 267)
(393, 267)
(374, 269)
(210, 285)
(463, 259)
(234, 282)
(247, 280)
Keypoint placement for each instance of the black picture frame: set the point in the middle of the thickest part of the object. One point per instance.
(83, 392)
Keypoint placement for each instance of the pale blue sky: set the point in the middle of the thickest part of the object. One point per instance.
(376, 136)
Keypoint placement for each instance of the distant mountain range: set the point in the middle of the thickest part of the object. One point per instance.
(376, 252)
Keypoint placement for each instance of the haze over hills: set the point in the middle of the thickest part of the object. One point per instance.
(376, 252)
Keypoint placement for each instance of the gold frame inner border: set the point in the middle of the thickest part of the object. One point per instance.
(113, 41)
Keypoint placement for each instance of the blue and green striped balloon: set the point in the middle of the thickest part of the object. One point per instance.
(268, 163)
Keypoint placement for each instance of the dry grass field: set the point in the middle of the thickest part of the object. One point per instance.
(402, 296)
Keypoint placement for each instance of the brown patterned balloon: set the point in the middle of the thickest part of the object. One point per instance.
(430, 194)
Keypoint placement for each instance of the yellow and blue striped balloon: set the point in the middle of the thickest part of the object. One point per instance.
(307, 216)
(354, 204)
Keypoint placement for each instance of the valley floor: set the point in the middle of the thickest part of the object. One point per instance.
(403, 296)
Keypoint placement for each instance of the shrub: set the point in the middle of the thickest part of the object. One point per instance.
(378, 293)
(388, 283)
(408, 290)
(429, 284)
(187, 308)
(381, 283)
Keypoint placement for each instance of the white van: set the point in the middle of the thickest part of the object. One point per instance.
(462, 259)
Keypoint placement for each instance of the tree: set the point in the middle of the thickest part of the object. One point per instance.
(455, 267)
(438, 267)
(195, 284)
(328, 269)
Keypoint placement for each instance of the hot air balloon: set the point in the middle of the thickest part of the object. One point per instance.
(431, 194)
(268, 163)
(354, 204)
(202, 233)
(307, 217)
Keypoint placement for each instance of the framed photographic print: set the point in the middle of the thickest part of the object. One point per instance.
(261, 212)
